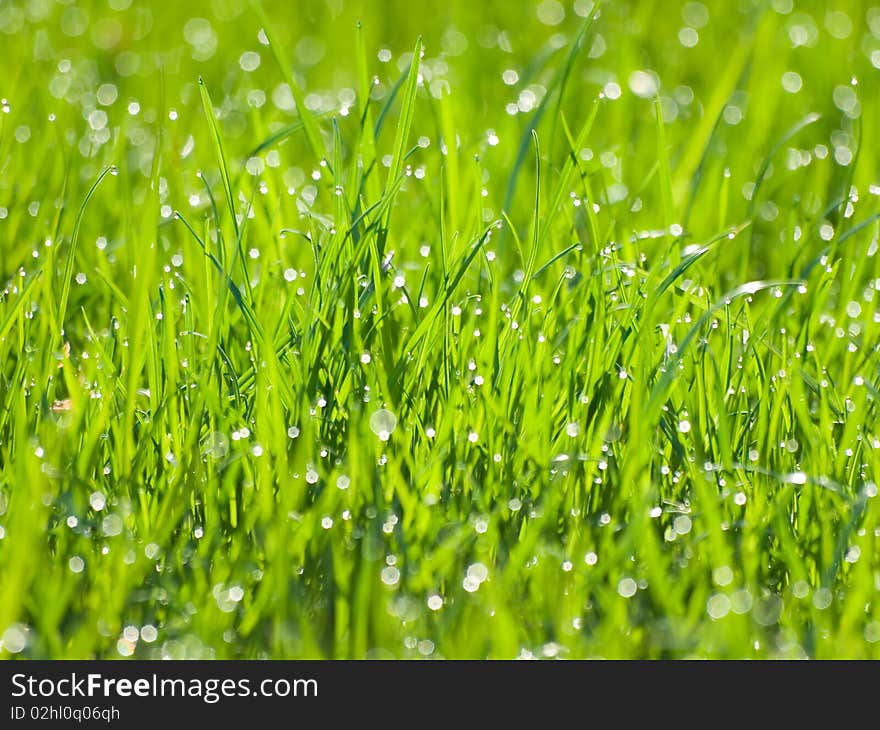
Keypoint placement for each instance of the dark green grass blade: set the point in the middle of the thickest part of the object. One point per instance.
(219, 152)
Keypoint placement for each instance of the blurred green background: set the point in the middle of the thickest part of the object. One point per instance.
(756, 66)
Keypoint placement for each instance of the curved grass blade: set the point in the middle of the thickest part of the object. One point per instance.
(313, 133)
(805, 122)
(404, 124)
(558, 82)
(74, 239)
(658, 392)
(218, 151)
(7, 322)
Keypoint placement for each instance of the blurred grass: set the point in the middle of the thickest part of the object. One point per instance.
(612, 270)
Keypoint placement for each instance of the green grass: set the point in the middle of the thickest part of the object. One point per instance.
(397, 330)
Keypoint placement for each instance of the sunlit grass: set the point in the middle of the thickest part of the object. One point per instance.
(495, 330)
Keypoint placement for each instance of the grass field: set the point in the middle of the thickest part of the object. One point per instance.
(357, 329)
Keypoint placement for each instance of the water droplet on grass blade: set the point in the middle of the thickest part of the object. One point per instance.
(390, 576)
(718, 606)
(15, 638)
(382, 423)
(627, 588)
(470, 584)
(112, 525)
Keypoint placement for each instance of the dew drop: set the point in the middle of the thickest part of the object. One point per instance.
(627, 587)
(382, 423)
